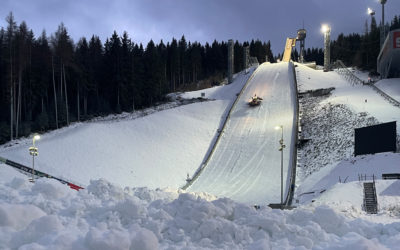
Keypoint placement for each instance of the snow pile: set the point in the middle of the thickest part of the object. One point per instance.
(104, 216)
(330, 129)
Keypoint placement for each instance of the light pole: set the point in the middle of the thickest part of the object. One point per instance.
(383, 31)
(281, 149)
(327, 47)
(370, 12)
(34, 152)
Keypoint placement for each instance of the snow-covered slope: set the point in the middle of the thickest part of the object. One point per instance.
(49, 215)
(157, 150)
(358, 98)
(328, 173)
(246, 163)
(390, 87)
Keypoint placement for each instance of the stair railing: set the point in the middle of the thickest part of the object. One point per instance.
(344, 71)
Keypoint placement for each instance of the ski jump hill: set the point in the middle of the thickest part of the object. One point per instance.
(246, 164)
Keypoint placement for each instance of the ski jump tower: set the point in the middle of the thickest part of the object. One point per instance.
(301, 36)
(291, 42)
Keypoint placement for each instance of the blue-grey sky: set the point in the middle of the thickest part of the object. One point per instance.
(198, 20)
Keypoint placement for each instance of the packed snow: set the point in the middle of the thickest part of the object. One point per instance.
(327, 171)
(246, 161)
(118, 211)
(390, 87)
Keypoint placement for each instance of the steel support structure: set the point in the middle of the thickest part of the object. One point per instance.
(327, 49)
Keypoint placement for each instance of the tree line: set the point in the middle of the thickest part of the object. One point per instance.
(362, 50)
(49, 81)
(357, 50)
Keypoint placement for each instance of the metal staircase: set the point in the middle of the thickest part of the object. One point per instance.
(370, 200)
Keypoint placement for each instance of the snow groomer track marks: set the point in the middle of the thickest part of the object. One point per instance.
(246, 163)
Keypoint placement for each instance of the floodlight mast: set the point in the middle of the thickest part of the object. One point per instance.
(324, 28)
(383, 29)
(371, 12)
(327, 50)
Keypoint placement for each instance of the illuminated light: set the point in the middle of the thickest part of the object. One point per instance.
(370, 11)
(325, 28)
(36, 137)
(278, 127)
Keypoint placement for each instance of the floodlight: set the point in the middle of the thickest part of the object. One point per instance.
(370, 12)
(325, 28)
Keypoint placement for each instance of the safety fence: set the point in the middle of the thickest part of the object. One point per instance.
(30, 171)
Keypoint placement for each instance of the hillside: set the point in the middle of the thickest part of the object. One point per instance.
(119, 211)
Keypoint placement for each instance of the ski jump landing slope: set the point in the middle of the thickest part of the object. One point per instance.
(246, 163)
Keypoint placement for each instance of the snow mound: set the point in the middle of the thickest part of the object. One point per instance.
(104, 216)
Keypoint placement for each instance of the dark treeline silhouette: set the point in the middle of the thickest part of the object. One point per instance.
(354, 49)
(310, 55)
(49, 82)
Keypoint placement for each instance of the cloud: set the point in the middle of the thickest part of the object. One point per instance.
(201, 21)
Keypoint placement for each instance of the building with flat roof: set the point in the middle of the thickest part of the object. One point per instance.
(389, 57)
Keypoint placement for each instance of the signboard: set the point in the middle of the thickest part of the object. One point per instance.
(396, 40)
(375, 139)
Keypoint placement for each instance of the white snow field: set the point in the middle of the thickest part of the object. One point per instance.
(327, 159)
(246, 163)
(157, 150)
(390, 87)
(119, 212)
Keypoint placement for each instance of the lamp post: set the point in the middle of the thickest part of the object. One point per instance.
(34, 152)
(383, 31)
(370, 12)
(327, 48)
(281, 149)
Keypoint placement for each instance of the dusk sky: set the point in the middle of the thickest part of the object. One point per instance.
(198, 20)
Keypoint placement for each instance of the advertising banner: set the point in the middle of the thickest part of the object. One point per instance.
(396, 40)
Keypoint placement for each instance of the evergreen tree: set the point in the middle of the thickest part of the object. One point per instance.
(92, 98)
(11, 30)
(46, 83)
(63, 51)
(114, 76)
(41, 80)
